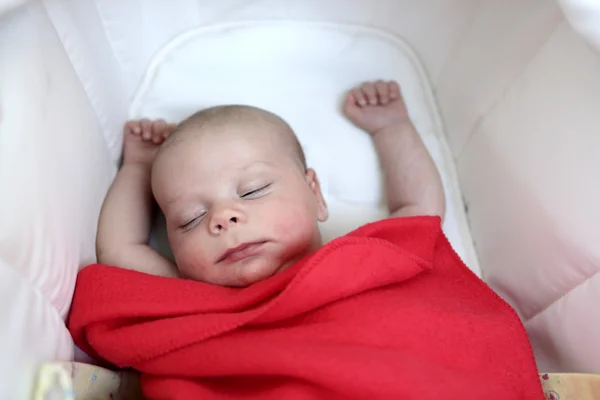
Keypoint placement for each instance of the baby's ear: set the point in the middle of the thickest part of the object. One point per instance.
(315, 187)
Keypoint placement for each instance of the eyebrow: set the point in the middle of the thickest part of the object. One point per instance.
(255, 164)
(244, 168)
(173, 200)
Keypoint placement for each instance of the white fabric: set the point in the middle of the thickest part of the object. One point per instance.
(137, 29)
(531, 175)
(81, 31)
(9, 5)
(54, 171)
(301, 72)
(584, 17)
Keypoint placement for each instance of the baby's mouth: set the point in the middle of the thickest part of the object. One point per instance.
(242, 251)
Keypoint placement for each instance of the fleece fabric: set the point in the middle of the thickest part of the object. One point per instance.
(388, 311)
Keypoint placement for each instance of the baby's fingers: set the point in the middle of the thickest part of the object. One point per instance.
(369, 91)
(158, 129)
(146, 125)
(358, 97)
(132, 127)
(394, 90)
(382, 89)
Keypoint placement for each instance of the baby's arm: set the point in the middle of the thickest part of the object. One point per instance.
(412, 182)
(126, 216)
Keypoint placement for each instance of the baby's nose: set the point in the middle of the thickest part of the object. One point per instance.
(224, 219)
(220, 224)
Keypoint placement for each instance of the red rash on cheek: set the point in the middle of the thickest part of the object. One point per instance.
(282, 227)
(189, 254)
(292, 220)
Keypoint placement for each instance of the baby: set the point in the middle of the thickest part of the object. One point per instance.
(376, 314)
(239, 201)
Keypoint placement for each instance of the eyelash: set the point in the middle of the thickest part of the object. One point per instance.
(245, 195)
(256, 191)
(189, 223)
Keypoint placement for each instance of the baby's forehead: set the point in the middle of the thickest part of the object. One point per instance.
(234, 149)
(248, 135)
(234, 131)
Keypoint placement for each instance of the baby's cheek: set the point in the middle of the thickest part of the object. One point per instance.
(293, 221)
(190, 259)
(281, 226)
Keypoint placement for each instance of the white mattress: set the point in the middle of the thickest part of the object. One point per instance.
(301, 71)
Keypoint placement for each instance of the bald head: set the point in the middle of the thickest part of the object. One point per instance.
(211, 120)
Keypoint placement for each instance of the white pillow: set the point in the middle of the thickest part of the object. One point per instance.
(301, 71)
(55, 169)
(584, 17)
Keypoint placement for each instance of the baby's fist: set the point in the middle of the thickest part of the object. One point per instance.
(142, 139)
(374, 106)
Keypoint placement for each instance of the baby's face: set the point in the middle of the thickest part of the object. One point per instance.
(238, 206)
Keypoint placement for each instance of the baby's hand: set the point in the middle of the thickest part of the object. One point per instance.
(142, 138)
(374, 106)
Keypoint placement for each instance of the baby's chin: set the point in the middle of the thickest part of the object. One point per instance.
(251, 272)
(241, 274)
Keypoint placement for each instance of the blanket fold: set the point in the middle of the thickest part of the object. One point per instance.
(387, 311)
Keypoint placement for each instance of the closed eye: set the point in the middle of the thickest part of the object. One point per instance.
(192, 221)
(256, 192)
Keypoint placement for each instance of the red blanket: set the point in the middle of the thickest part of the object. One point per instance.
(386, 312)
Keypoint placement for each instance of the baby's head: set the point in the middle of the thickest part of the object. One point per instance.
(239, 202)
